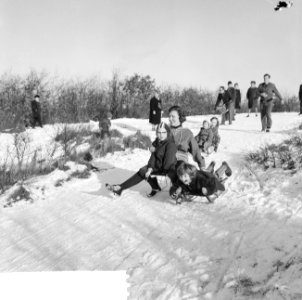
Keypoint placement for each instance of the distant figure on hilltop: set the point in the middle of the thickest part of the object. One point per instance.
(300, 99)
(155, 111)
(237, 98)
(222, 105)
(252, 96)
(266, 92)
(36, 111)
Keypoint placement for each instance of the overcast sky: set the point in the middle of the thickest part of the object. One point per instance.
(201, 43)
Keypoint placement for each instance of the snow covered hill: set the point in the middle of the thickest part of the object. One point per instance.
(247, 245)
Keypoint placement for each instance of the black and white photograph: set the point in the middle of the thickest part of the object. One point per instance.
(162, 139)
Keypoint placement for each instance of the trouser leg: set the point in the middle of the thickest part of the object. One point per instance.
(263, 115)
(134, 179)
(269, 109)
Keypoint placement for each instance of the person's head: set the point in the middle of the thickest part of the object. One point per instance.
(236, 86)
(109, 115)
(206, 124)
(267, 78)
(230, 84)
(253, 83)
(37, 98)
(214, 122)
(221, 90)
(176, 116)
(186, 173)
(163, 131)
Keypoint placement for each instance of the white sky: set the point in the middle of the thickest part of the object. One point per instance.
(201, 43)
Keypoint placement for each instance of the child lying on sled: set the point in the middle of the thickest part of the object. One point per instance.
(193, 182)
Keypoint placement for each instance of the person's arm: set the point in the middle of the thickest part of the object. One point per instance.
(194, 149)
(300, 93)
(218, 101)
(151, 162)
(277, 92)
(169, 157)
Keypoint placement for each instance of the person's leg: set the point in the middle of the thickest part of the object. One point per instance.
(40, 121)
(263, 115)
(231, 113)
(223, 117)
(223, 170)
(300, 107)
(269, 108)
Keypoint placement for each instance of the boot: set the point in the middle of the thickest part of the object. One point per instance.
(228, 171)
(116, 189)
(211, 166)
(154, 185)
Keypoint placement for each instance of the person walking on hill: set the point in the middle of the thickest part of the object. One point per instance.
(266, 92)
(252, 96)
(222, 105)
(300, 99)
(237, 98)
(155, 111)
(231, 104)
(36, 111)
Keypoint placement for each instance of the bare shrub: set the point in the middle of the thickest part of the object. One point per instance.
(137, 140)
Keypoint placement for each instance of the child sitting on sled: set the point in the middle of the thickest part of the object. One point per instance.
(216, 136)
(205, 137)
(161, 162)
(193, 182)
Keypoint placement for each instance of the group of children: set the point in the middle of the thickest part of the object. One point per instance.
(186, 179)
(208, 137)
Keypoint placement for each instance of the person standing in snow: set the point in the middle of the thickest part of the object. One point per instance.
(162, 162)
(222, 105)
(36, 111)
(155, 111)
(105, 125)
(231, 104)
(237, 98)
(252, 96)
(266, 92)
(300, 99)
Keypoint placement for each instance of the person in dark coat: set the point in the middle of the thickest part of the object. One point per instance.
(204, 138)
(162, 162)
(252, 96)
(193, 182)
(216, 136)
(105, 125)
(36, 111)
(231, 103)
(222, 105)
(155, 111)
(300, 99)
(237, 98)
(267, 92)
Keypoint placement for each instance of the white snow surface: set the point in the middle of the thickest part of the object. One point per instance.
(247, 245)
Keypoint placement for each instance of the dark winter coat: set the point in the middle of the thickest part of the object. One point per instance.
(252, 95)
(232, 93)
(36, 108)
(204, 136)
(163, 158)
(223, 99)
(269, 89)
(155, 111)
(185, 142)
(105, 125)
(202, 179)
(216, 137)
(237, 99)
(300, 93)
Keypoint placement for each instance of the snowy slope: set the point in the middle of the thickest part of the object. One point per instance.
(245, 246)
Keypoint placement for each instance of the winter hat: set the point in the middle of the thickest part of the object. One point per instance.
(165, 126)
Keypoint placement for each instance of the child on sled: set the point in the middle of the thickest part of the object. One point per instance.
(204, 138)
(193, 182)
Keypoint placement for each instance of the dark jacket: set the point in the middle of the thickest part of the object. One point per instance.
(202, 179)
(232, 93)
(237, 99)
(223, 99)
(204, 135)
(36, 107)
(155, 111)
(252, 93)
(216, 136)
(164, 156)
(300, 93)
(105, 124)
(185, 142)
(269, 90)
